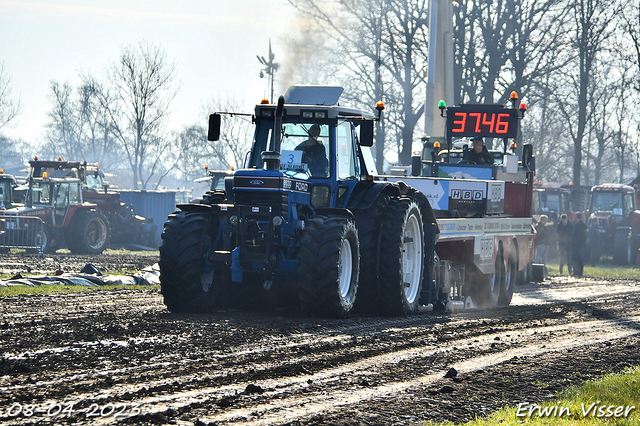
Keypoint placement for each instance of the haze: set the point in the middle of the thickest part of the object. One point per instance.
(213, 43)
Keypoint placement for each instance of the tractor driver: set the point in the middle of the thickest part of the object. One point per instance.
(314, 153)
(479, 153)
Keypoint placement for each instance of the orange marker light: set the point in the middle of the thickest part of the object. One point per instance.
(436, 144)
(59, 158)
(380, 105)
(44, 175)
(35, 158)
(264, 101)
(514, 95)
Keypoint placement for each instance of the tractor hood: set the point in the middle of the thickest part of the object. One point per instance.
(24, 211)
(261, 179)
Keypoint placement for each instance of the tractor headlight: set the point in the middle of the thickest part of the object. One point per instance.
(277, 220)
(320, 196)
(233, 220)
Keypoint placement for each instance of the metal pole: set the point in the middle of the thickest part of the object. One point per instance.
(429, 105)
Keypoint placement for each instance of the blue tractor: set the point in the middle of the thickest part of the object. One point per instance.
(304, 224)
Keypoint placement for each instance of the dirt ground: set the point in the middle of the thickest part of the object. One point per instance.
(48, 263)
(94, 358)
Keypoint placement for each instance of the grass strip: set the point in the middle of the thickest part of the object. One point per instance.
(17, 290)
(611, 400)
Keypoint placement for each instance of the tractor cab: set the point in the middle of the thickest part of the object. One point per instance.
(612, 204)
(50, 198)
(7, 183)
(309, 146)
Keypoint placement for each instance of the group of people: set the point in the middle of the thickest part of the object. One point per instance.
(572, 241)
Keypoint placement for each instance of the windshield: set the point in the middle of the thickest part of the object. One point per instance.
(41, 193)
(607, 202)
(94, 182)
(304, 147)
(5, 191)
(551, 202)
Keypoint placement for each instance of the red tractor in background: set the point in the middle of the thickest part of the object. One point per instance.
(126, 227)
(614, 210)
(54, 216)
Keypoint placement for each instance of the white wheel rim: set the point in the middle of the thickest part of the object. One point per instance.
(42, 240)
(345, 269)
(97, 233)
(206, 278)
(412, 258)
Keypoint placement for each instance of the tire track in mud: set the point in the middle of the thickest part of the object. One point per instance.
(179, 366)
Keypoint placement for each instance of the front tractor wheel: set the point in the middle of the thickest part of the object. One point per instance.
(623, 247)
(89, 233)
(329, 266)
(401, 257)
(188, 280)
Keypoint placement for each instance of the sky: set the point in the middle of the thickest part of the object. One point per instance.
(213, 43)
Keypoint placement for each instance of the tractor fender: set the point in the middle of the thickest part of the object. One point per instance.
(194, 208)
(367, 194)
(329, 211)
(228, 189)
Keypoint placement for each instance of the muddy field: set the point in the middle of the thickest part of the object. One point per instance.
(119, 355)
(48, 263)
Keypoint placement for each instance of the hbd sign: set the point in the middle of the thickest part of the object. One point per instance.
(466, 195)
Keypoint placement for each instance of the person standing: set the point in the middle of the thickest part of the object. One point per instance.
(593, 243)
(565, 234)
(579, 241)
(542, 240)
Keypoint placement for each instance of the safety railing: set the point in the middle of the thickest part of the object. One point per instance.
(25, 232)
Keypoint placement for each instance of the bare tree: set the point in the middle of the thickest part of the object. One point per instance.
(78, 127)
(593, 25)
(193, 151)
(137, 96)
(13, 153)
(9, 107)
(379, 41)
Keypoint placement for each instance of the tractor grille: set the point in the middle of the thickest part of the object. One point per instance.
(278, 200)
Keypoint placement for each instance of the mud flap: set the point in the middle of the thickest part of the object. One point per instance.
(236, 268)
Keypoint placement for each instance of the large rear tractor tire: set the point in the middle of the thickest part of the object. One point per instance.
(368, 222)
(188, 281)
(329, 266)
(89, 233)
(623, 247)
(401, 258)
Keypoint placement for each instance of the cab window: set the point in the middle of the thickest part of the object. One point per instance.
(345, 151)
(74, 194)
(628, 203)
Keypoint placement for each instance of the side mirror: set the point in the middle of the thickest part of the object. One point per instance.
(366, 133)
(214, 127)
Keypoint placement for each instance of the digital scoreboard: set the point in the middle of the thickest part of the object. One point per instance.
(478, 120)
